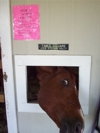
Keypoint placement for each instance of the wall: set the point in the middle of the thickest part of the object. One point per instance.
(76, 22)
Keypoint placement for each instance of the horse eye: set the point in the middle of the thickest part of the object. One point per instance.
(65, 82)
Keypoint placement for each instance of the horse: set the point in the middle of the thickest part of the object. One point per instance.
(58, 97)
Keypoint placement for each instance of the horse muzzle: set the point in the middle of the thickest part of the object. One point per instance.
(68, 128)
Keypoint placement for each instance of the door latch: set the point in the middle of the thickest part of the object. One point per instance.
(5, 76)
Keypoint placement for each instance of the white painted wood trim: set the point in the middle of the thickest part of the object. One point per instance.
(5, 34)
(21, 61)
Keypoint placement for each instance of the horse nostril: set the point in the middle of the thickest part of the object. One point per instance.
(78, 128)
(63, 128)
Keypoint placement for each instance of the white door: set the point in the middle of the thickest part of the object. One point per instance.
(7, 61)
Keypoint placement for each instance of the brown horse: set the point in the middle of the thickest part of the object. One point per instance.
(58, 97)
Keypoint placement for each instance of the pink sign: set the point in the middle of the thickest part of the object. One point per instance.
(26, 21)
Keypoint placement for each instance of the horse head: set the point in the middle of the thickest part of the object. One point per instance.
(58, 97)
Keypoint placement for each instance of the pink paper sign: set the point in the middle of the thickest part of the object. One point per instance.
(26, 22)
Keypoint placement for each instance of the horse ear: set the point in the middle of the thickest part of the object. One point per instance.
(60, 69)
(74, 70)
(44, 71)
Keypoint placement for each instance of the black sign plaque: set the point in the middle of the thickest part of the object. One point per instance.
(53, 46)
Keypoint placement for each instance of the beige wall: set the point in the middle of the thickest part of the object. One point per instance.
(76, 22)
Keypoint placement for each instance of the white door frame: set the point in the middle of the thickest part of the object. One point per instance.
(7, 62)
